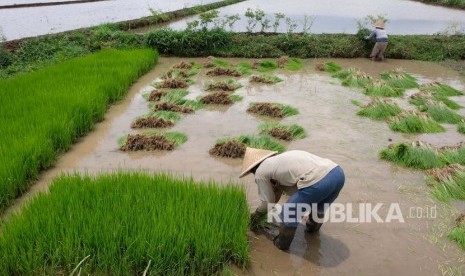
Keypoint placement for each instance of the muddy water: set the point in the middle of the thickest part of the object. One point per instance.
(27, 22)
(410, 248)
(340, 16)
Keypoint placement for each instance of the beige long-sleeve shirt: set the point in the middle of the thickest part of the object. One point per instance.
(289, 169)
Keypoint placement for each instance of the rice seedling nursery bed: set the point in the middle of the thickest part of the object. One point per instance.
(125, 224)
(39, 121)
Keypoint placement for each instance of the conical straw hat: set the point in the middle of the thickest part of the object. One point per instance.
(379, 24)
(253, 157)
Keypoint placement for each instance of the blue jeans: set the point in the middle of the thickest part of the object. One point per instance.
(323, 192)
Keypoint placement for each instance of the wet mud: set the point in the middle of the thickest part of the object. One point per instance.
(266, 109)
(419, 246)
(229, 149)
(147, 143)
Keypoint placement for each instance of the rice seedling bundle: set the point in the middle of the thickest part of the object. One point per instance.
(267, 65)
(458, 233)
(441, 113)
(157, 119)
(244, 67)
(153, 140)
(414, 122)
(441, 89)
(398, 78)
(275, 110)
(125, 224)
(380, 88)
(453, 154)
(419, 99)
(285, 132)
(450, 187)
(262, 141)
(293, 64)
(461, 127)
(44, 112)
(329, 66)
(265, 78)
(417, 155)
(228, 85)
(354, 78)
(380, 110)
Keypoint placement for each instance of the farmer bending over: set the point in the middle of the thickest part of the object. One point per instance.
(381, 41)
(312, 180)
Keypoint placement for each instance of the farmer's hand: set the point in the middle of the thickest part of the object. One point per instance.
(255, 219)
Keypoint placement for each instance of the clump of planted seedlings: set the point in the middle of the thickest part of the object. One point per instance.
(275, 110)
(244, 67)
(265, 78)
(182, 65)
(221, 71)
(441, 89)
(172, 83)
(230, 148)
(293, 64)
(380, 88)
(144, 142)
(46, 119)
(414, 122)
(213, 62)
(266, 66)
(156, 94)
(167, 106)
(128, 224)
(458, 233)
(417, 155)
(420, 98)
(235, 147)
(440, 112)
(328, 66)
(354, 78)
(380, 109)
(282, 61)
(159, 119)
(222, 98)
(229, 85)
(282, 132)
(398, 78)
(176, 74)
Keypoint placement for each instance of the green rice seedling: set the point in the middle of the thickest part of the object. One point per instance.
(441, 89)
(220, 62)
(441, 113)
(448, 102)
(359, 79)
(267, 65)
(262, 141)
(328, 66)
(448, 182)
(265, 78)
(380, 110)
(461, 127)
(44, 112)
(275, 110)
(379, 88)
(419, 99)
(167, 115)
(357, 103)
(229, 85)
(128, 224)
(416, 155)
(458, 233)
(235, 98)
(174, 95)
(398, 78)
(284, 132)
(244, 67)
(345, 73)
(294, 64)
(158, 119)
(453, 154)
(176, 138)
(413, 122)
(193, 104)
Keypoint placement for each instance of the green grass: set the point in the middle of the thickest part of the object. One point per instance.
(417, 157)
(382, 89)
(413, 123)
(380, 110)
(332, 67)
(293, 64)
(262, 141)
(398, 78)
(267, 65)
(442, 114)
(244, 67)
(296, 131)
(44, 112)
(440, 89)
(126, 223)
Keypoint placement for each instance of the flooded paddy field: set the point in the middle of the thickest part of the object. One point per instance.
(333, 131)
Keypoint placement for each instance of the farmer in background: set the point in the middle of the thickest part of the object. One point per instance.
(307, 178)
(381, 41)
